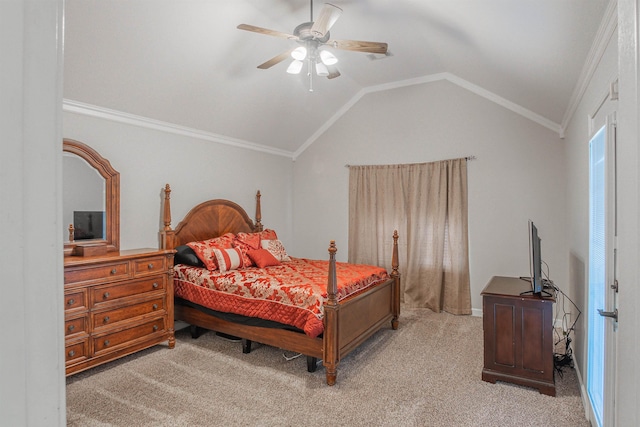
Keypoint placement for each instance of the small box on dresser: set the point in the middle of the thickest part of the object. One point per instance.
(116, 304)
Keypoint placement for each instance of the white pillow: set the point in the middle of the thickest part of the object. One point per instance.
(276, 248)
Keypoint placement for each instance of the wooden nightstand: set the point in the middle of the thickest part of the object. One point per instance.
(518, 335)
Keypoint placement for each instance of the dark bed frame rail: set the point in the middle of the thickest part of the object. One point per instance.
(347, 323)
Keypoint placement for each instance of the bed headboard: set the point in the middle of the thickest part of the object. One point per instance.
(207, 220)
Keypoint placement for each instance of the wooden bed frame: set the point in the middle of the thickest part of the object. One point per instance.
(347, 323)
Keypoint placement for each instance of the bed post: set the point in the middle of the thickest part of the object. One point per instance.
(258, 226)
(330, 357)
(396, 279)
(166, 235)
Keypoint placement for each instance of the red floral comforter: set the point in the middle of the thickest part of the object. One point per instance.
(292, 293)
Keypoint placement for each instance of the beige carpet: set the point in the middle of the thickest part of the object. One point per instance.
(427, 373)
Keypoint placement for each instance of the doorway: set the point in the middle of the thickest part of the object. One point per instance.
(602, 304)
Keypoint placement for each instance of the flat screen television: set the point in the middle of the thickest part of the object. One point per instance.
(535, 259)
(88, 225)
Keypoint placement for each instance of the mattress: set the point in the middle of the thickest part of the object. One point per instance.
(292, 293)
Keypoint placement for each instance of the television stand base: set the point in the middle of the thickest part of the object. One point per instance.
(543, 387)
(543, 294)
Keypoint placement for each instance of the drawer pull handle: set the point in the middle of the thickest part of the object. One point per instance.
(72, 353)
(155, 306)
(155, 285)
(150, 265)
(114, 271)
(155, 328)
(105, 295)
(106, 343)
(71, 301)
(106, 319)
(71, 327)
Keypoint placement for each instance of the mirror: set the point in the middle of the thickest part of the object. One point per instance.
(91, 198)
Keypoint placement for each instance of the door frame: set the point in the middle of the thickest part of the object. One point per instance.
(611, 303)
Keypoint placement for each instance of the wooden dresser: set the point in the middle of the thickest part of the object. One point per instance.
(116, 304)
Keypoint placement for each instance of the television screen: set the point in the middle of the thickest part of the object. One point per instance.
(88, 225)
(535, 259)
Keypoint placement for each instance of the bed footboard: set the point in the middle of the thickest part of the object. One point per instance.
(352, 321)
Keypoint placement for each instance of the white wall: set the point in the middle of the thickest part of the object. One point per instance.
(518, 174)
(576, 145)
(196, 170)
(31, 305)
(628, 371)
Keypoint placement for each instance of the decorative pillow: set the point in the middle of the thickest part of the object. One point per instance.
(268, 234)
(204, 249)
(247, 242)
(262, 258)
(228, 259)
(276, 248)
(185, 255)
(250, 241)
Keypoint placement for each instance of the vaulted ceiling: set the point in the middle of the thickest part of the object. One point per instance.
(184, 62)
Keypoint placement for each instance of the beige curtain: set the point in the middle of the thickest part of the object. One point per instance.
(427, 204)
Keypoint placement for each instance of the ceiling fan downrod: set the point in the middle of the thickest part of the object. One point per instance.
(310, 73)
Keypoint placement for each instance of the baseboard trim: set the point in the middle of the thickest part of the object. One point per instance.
(586, 403)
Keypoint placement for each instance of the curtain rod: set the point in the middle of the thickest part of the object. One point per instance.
(467, 158)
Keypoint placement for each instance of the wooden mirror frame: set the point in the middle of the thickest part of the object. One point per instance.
(112, 195)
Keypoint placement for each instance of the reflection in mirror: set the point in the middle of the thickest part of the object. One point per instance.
(83, 199)
(91, 199)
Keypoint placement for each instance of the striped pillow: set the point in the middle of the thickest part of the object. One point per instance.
(204, 249)
(228, 259)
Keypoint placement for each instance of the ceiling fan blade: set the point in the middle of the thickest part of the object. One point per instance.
(328, 16)
(358, 46)
(266, 31)
(333, 72)
(276, 60)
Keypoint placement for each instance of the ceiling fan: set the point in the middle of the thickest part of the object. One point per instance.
(315, 43)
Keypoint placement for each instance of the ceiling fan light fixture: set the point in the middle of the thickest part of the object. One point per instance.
(295, 67)
(321, 69)
(312, 38)
(299, 53)
(328, 58)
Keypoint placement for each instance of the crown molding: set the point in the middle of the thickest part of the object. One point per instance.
(607, 29)
(121, 117)
(452, 78)
(131, 119)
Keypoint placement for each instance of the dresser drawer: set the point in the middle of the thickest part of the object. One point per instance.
(111, 317)
(112, 341)
(102, 272)
(76, 351)
(75, 300)
(106, 293)
(149, 266)
(75, 326)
